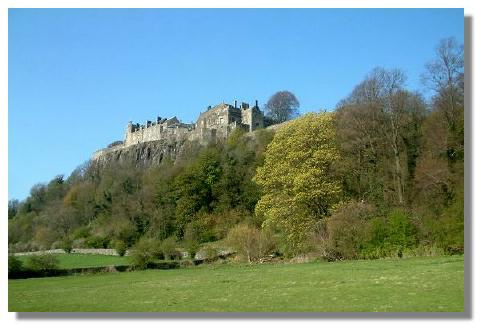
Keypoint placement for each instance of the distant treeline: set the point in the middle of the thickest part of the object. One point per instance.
(380, 176)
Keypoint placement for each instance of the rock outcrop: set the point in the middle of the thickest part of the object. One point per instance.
(145, 154)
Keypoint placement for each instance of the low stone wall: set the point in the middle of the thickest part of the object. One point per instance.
(98, 251)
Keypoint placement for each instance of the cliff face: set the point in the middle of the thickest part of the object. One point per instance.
(150, 153)
(144, 154)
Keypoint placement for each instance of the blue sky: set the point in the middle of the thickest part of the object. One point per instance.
(77, 76)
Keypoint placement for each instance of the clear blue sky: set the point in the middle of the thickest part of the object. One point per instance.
(77, 76)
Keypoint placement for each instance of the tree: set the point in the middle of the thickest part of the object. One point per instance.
(379, 132)
(445, 75)
(439, 177)
(297, 180)
(445, 72)
(13, 205)
(282, 106)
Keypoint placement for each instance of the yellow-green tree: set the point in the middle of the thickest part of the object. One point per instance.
(297, 180)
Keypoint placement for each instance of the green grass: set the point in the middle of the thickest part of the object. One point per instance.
(432, 284)
(71, 261)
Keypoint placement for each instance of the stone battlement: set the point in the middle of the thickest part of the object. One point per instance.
(216, 122)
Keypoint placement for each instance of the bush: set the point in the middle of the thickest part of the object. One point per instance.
(450, 230)
(268, 244)
(67, 245)
(14, 265)
(245, 240)
(97, 241)
(346, 231)
(424, 250)
(42, 263)
(120, 246)
(390, 236)
(168, 248)
(81, 233)
(145, 252)
(191, 239)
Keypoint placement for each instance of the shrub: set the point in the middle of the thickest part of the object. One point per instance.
(346, 231)
(97, 241)
(14, 265)
(145, 252)
(43, 263)
(168, 248)
(44, 237)
(450, 229)
(226, 220)
(81, 233)
(424, 250)
(191, 239)
(120, 246)
(246, 241)
(268, 244)
(67, 245)
(390, 236)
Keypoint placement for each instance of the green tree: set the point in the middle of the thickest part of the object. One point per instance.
(297, 179)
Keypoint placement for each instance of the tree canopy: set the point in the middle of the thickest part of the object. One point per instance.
(282, 106)
(297, 180)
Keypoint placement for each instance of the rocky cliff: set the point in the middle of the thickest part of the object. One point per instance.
(145, 154)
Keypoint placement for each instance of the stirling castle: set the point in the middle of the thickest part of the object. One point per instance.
(215, 123)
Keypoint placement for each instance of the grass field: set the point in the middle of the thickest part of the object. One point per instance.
(71, 261)
(415, 284)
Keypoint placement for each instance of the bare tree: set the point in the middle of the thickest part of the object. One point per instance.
(444, 75)
(282, 106)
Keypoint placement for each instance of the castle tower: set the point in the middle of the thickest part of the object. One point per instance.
(252, 116)
(128, 133)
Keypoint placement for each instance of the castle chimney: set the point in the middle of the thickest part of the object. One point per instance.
(256, 103)
(235, 104)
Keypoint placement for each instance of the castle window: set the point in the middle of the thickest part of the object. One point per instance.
(221, 120)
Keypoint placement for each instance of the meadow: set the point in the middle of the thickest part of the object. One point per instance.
(429, 284)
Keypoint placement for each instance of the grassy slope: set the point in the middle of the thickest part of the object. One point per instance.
(70, 261)
(416, 284)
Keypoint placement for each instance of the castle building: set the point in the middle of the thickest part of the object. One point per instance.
(216, 122)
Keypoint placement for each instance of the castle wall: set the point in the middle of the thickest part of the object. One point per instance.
(156, 132)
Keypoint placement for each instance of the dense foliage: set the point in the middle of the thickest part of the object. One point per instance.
(380, 176)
